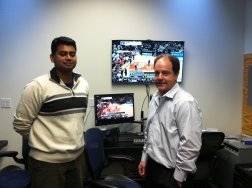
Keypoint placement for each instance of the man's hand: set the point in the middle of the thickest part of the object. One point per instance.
(142, 168)
(180, 184)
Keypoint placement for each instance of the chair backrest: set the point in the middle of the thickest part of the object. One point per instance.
(95, 151)
(211, 142)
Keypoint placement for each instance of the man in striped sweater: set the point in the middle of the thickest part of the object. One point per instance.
(50, 115)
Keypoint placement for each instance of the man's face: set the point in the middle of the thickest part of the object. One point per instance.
(65, 58)
(165, 78)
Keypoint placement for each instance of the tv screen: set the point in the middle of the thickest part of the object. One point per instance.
(132, 60)
(114, 108)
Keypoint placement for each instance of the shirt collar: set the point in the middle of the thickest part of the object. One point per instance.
(169, 94)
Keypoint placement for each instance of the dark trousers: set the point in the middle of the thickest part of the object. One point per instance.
(57, 175)
(159, 176)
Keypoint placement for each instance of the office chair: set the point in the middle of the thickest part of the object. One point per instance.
(13, 176)
(96, 162)
(211, 142)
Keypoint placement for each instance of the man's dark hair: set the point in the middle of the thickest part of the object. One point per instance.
(174, 60)
(62, 40)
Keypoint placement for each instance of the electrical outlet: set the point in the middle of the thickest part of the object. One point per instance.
(91, 102)
(5, 102)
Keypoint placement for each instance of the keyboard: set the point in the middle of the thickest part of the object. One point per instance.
(131, 137)
(126, 137)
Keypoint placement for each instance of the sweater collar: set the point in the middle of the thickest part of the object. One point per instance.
(56, 78)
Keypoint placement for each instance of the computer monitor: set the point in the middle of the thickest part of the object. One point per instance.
(114, 108)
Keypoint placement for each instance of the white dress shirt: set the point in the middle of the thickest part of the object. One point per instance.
(173, 131)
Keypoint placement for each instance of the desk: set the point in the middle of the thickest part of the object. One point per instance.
(234, 152)
(127, 148)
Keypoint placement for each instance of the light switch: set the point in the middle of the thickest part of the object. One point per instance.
(5, 102)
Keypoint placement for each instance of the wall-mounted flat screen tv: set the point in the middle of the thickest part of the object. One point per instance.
(132, 60)
(114, 108)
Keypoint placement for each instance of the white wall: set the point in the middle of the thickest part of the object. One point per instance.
(213, 31)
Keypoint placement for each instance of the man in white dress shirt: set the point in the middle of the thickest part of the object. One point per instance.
(173, 131)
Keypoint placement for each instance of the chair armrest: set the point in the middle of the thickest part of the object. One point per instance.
(121, 157)
(12, 154)
(3, 143)
(103, 184)
(8, 153)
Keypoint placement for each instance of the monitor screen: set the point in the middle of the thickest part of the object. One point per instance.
(114, 108)
(132, 60)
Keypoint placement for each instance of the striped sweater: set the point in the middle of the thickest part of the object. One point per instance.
(52, 115)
